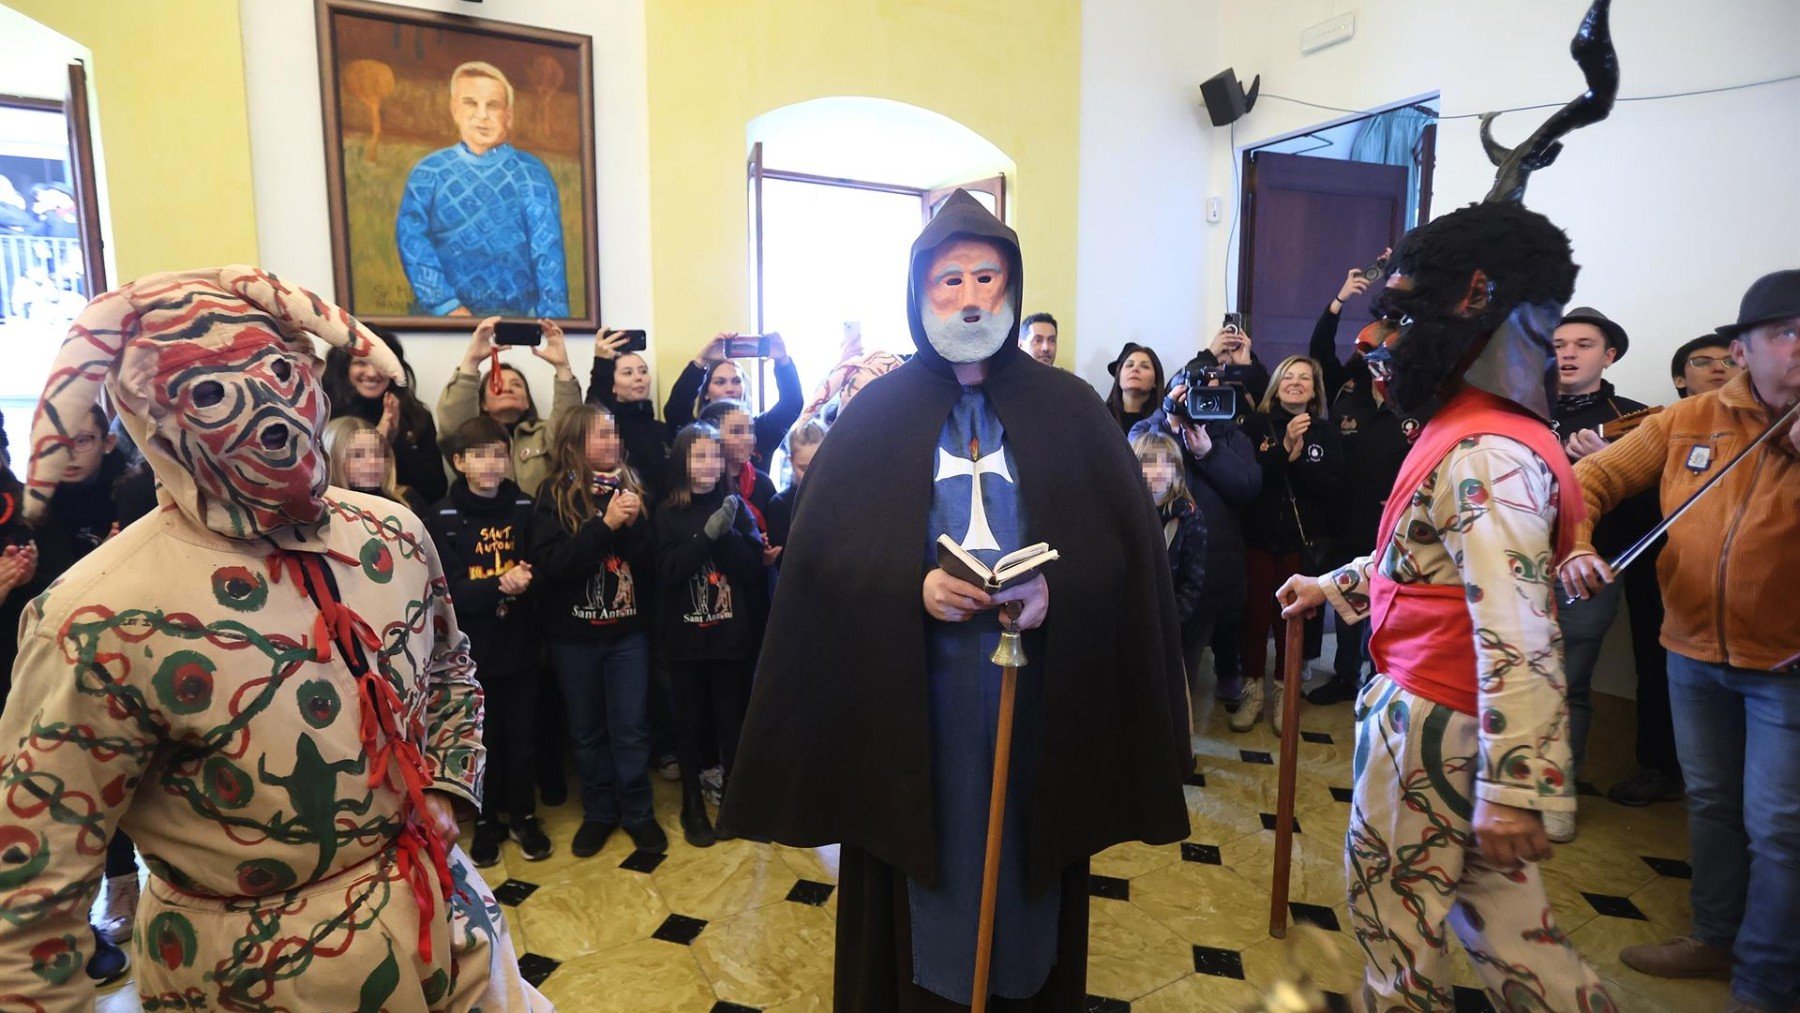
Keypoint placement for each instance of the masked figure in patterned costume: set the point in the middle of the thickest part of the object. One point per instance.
(262, 682)
(1462, 736)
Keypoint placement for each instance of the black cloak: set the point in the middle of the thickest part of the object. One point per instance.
(836, 745)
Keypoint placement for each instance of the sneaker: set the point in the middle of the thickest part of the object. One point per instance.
(1647, 786)
(668, 768)
(1681, 957)
(121, 908)
(1250, 707)
(1277, 704)
(648, 837)
(1335, 690)
(1559, 826)
(109, 963)
(712, 786)
(590, 838)
(533, 844)
(485, 851)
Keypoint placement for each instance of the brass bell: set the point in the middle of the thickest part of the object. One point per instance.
(1010, 653)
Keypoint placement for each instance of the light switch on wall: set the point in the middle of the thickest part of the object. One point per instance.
(1215, 209)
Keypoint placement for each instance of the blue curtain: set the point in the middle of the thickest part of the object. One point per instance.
(1391, 138)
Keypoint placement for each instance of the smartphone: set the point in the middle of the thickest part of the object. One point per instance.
(518, 332)
(635, 341)
(1233, 322)
(748, 346)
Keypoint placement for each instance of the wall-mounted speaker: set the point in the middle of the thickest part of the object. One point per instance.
(1226, 99)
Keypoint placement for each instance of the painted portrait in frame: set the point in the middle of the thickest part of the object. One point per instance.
(459, 158)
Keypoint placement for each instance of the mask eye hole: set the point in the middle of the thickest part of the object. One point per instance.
(208, 393)
(283, 370)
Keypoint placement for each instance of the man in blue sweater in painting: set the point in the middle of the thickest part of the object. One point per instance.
(480, 222)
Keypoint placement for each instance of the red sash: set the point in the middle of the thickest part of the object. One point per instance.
(1422, 636)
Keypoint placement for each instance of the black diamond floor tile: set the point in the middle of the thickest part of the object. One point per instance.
(678, 929)
(1674, 868)
(1197, 779)
(808, 892)
(1318, 738)
(1268, 821)
(1218, 963)
(535, 968)
(642, 861)
(514, 891)
(1205, 854)
(731, 1007)
(1343, 795)
(1108, 887)
(1614, 907)
(1314, 914)
(1586, 788)
(1255, 756)
(1101, 1004)
(1472, 1000)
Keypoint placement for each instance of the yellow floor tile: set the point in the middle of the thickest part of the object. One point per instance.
(643, 977)
(1130, 953)
(587, 909)
(772, 955)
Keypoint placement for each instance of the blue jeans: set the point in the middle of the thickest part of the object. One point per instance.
(1738, 735)
(1584, 624)
(606, 690)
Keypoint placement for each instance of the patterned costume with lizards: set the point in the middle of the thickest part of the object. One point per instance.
(260, 681)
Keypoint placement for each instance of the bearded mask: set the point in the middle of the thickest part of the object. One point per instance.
(211, 372)
(965, 283)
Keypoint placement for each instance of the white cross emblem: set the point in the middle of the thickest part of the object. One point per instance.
(979, 535)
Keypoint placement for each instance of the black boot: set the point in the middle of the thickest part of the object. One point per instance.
(694, 825)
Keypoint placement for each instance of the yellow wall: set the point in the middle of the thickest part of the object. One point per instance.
(1007, 69)
(174, 133)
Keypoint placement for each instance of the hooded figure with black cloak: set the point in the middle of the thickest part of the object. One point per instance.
(872, 721)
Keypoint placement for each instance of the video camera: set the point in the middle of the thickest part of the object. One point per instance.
(1201, 402)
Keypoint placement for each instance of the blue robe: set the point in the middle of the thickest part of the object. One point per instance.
(964, 694)
(483, 232)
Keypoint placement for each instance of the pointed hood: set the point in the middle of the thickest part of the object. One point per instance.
(962, 217)
(211, 372)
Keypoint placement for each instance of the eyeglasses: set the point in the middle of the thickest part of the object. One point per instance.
(1709, 361)
(85, 442)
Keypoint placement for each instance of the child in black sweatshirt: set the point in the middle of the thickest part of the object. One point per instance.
(709, 557)
(592, 549)
(482, 529)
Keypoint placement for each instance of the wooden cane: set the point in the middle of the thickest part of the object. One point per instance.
(1284, 791)
(1009, 656)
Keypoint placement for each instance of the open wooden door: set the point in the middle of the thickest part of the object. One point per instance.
(991, 192)
(1307, 221)
(81, 173)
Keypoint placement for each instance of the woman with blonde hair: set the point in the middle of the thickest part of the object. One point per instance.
(1289, 528)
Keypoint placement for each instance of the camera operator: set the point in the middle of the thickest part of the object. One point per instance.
(1289, 529)
(1223, 478)
(1374, 439)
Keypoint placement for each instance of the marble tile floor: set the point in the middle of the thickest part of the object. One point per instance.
(1184, 927)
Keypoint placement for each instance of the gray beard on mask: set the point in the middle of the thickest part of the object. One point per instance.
(961, 342)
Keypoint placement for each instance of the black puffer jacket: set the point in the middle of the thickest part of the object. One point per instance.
(1185, 531)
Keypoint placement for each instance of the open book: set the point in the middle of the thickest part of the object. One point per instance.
(1012, 568)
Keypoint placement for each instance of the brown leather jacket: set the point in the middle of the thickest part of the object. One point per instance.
(1728, 571)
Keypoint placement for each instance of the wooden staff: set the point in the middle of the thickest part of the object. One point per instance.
(1284, 791)
(1010, 656)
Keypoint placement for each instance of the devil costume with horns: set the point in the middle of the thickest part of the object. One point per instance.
(872, 724)
(262, 681)
(1462, 735)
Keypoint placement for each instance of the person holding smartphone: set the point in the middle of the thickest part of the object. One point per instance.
(715, 375)
(620, 383)
(508, 400)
